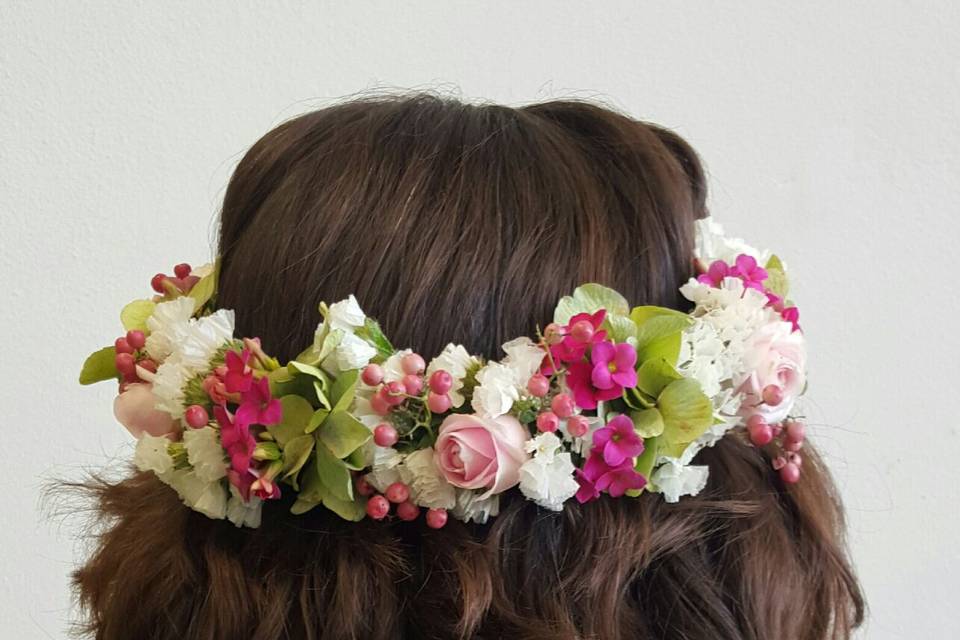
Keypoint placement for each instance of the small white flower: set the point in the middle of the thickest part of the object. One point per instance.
(456, 361)
(427, 487)
(346, 315)
(202, 338)
(168, 384)
(674, 479)
(384, 467)
(393, 366)
(167, 325)
(151, 455)
(524, 358)
(205, 453)
(353, 353)
(209, 498)
(547, 477)
(241, 513)
(711, 244)
(496, 390)
(469, 506)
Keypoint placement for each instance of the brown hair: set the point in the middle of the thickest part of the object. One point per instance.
(465, 223)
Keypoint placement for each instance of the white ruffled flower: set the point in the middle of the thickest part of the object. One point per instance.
(151, 455)
(675, 480)
(205, 453)
(712, 244)
(241, 513)
(168, 385)
(427, 487)
(202, 339)
(209, 498)
(455, 360)
(500, 384)
(353, 352)
(384, 467)
(547, 477)
(167, 325)
(393, 366)
(469, 506)
(346, 315)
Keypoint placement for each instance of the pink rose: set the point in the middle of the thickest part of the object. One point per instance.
(775, 355)
(134, 409)
(480, 453)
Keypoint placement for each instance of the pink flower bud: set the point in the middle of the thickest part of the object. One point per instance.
(412, 364)
(397, 492)
(563, 405)
(407, 511)
(413, 384)
(378, 507)
(582, 331)
(441, 382)
(372, 375)
(196, 416)
(548, 422)
(436, 518)
(385, 435)
(577, 426)
(790, 473)
(538, 385)
(438, 403)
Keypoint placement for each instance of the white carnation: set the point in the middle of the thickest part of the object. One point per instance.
(353, 353)
(524, 358)
(393, 366)
(496, 390)
(427, 487)
(674, 479)
(547, 477)
(202, 339)
(209, 498)
(456, 361)
(469, 506)
(205, 453)
(244, 513)
(346, 315)
(712, 244)
(151, 455)
(167, 325)
(384, 467)
(168, 385)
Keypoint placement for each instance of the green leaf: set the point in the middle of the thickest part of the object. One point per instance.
(654, 375)
(319, 388)
(99, 366)
(343, 434)
(346, 509)
(334, 474)
(295, 455)
(373, 334)
(648, 422)
(284, 383)
(777, 281)
(317, 419)
(134, 315)
(645, 462)
(620, 328)
(687, 412)
(295, 367)
(343, 389)
(205, 288)
(590, 298)
(311, 491)
(659, 331)
(637, 399)
(296, 415)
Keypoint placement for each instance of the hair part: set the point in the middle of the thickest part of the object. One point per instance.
(460, 223)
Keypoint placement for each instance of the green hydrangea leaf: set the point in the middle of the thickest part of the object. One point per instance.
(654, 375)
(645, 462)
(311, 491)
(343, 434)
(687, 412)
(317, 419)
(659, 331)
(334, 474)
(204, 290)
(352, 510)
(295, 454)
(619, 328)
(343, 389)
(99, 366)
(295, 367)
(590, 298)
(284, 383)
(637, 399)
(648, 423)
(777, 281)
(134, 315)
(293, 422)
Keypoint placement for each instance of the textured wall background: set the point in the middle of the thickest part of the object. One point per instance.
(830, 132)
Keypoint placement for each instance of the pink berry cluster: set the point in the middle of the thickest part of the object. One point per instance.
(398, 494)
(787, 436)
(411, 387)
(179, 283)
(131, 361)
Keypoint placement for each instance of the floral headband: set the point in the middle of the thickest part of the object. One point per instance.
(606, 399)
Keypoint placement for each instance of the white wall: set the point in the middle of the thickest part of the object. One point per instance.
(830, 132)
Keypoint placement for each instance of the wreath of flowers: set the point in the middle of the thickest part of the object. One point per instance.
(605, 400)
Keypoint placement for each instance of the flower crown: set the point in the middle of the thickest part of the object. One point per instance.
(606, 399)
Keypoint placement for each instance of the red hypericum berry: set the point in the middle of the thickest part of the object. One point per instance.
(156, 283)
(379, 404)
(372, 375)
(582, 331)
(577, 426)
(773, 394)
(122, 345)
(196, 416)
(548, 422)
(790, 473)
(441, 382)
(364, 488)
(136, 339)
(125, 363)
(393, 393)
(385, 435)
(792, 445)
(148, 364)
(413, 384)
(761, 434)
(538, 385)
(436, 518)
(397, 492)
(408, 511)
(796, 430)
(553, 333)
(131, 377)
(438, 403)
(412, 364)
(378, 507)
(182, 270)
(563, 405)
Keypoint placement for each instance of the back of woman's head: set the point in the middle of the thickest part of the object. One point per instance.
(463, 223)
